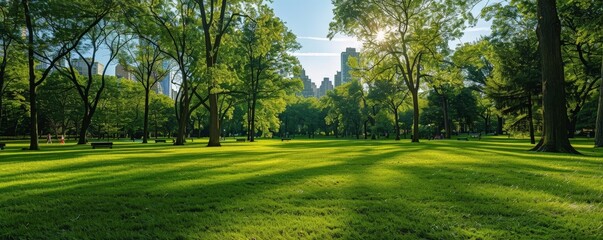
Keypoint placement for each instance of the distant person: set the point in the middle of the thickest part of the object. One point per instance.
(49, 139)
(62, 140)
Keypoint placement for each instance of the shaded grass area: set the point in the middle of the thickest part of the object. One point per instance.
(311, 189)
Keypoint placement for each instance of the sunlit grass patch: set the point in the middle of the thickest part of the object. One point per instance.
(318, 189)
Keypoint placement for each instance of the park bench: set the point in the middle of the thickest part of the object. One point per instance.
(101, 144)
(241, 139)
(159, 140)
(463, 138)
(285, 139)
(2, 145)
(476, 135)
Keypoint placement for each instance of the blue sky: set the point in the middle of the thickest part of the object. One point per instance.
(309, 20)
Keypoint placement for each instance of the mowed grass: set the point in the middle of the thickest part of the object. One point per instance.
(303, 189)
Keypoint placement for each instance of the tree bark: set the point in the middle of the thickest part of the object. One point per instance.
(571, 124)
(599, 124)
(531, 120)
(446, 120)
(145, 128)
(33, 112)
(397, 119)
(214, 122)
(554, 136)
(86, 120)
(415, 117)
(182, 111)
(499, 125)
(252, 119)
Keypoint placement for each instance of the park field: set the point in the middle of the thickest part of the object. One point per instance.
(302, 189)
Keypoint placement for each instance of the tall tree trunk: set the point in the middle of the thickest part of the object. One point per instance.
(145, 128)
(252, 120)
(599, 123)
(446, 118)
(1, 111)
(415, 117)
(499, 125)
(365, 129)
(554, 136)
(531, 120)
(33, 112)
(397, 119)
(571, 124)
(86, 121)
(182, 114)
(214, 121)
(155, 124)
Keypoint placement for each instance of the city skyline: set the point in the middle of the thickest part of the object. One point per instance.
(319, 56)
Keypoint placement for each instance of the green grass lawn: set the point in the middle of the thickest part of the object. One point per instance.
(308, 189)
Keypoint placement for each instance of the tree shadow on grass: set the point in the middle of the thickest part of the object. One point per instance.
(278, 192)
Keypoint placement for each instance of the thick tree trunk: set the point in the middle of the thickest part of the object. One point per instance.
(554, 136)
(599, 123)
(571, 125)
(145, 128)
(531, 120)
(1, 111)
(182, 123)
(33, 112)
(499, 125)
(415, 117)
(86, 121)
(214, 122)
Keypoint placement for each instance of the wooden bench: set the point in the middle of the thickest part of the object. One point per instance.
(285, 139)
(463, 138)
(101, 144)
(159, 140)
(476, 135)
(2, 145)
(241, 139)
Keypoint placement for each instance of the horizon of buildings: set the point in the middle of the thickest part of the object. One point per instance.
(341, 77)
(164, 86)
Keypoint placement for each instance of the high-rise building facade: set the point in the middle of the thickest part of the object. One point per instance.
(121, 72)
(346, 75)
(166, 83)
(82, 66)
(325, 86)
(337, 79)
(310, 89)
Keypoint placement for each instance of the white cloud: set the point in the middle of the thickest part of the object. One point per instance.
(478, 29)
(316, 54)
(327, 39)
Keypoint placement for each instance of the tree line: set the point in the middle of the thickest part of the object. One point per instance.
(225, 53)
(537, 72)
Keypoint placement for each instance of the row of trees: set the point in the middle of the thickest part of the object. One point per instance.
(225, 52)
(518, 67)
(233, 62)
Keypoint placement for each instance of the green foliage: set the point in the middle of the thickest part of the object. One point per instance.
(345, 108)
(60, 105)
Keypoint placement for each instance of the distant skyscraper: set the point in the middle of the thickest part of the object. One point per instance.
(166, 83)
(310, 89)
(325, 86)
(82, 68)
(337, 79)
(121, 72)
(346, 76)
